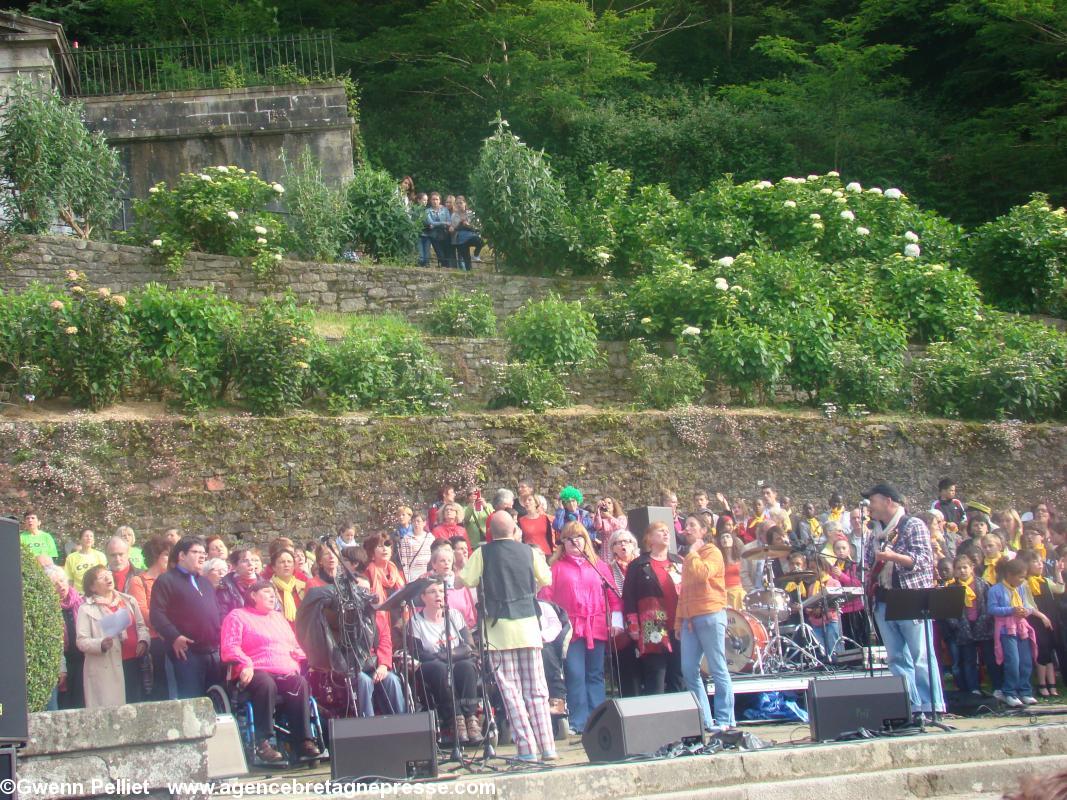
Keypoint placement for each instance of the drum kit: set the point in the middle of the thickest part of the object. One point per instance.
(760, 639)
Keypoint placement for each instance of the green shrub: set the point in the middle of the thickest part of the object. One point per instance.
(376, 218)
(271, 355)
(745, 356)
(554, 333)
(1020, 259)
(219, 210)
(457, 314)
(184, 338)
(43, 621)
(663, 383)
(933, 301)
(316, 211)
(1007, 368)
(520, 203)
(94, 354)
(868, 365)
(29, 341)
(530, 386)
(53, 168)
(383, 364)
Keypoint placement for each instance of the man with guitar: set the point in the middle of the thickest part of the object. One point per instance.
(899, 555)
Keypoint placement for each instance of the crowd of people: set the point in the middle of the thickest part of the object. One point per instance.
(564, 600)
(449, 227)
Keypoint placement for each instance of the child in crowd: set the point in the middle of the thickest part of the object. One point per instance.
(845, 571)
(977, 526)
(992, 552)
(1042, 592)
(1013, 637)
(824, 618)
(974, 627)
(945, 572)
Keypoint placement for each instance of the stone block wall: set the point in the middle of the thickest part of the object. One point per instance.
(327, 287)
(145, 746)
(161, 135)
(252, 478)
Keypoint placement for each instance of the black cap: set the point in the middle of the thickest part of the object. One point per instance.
(886, 490)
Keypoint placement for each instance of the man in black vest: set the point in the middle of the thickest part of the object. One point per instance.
(510, 574)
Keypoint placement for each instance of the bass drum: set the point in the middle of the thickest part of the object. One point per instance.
(746, 637)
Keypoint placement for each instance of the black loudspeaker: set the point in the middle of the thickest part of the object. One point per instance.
(638, 520)
(637, 726)
(7, 773)
(401, 747)
(848, 704)
(14, 722)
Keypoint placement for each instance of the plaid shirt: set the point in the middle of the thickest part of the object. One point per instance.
(913, 539)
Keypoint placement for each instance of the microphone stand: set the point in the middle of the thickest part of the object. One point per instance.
(345, 605)
(457, 751)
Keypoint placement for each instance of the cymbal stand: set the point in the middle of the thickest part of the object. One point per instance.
(807, 647)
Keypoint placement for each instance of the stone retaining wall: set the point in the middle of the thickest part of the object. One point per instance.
(148, 744)
(254, 478)
(327, 287)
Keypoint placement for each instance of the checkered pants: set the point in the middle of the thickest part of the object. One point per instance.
(520, 675)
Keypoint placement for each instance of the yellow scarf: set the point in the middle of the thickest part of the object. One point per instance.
(841, 564)
(816, 528)
(990, 573)
(969, 597)
(834, 514)
(805, 590)
(1036, 584)
(1040, 550)
(287, 591)
(1016, 598)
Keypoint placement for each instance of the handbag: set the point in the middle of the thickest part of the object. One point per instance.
(147, 674)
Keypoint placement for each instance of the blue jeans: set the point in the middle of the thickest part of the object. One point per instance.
(828, 636)
(905, 645)
(706, 636)
(1018, 665)
(424, 250)
(394, 693)
(967, 667)
(583, 670)
(197, 672)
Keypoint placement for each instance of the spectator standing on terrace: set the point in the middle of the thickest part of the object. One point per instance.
(418, 212)
(465, 235)
(40, 542)
(438, 220)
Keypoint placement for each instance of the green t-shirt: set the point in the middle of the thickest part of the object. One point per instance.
(40, 543)
(137, 557)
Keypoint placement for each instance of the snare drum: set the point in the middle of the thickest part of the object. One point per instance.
(767, 603)
(746, 637)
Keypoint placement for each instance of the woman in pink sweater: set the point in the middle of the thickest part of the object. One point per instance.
(583, 586)
(265, 657)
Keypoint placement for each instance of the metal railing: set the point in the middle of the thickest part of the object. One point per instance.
(230, 64)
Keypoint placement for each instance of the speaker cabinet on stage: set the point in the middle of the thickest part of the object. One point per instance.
(634, 726)
(848, 704)
(14, 722)
(638, 520)
(400, 746)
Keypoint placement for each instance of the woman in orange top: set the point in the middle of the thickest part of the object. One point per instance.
(730, 547)
(701, 624)
(384, 575)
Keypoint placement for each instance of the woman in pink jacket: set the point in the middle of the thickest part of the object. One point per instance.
(261, 647)
(583, 586)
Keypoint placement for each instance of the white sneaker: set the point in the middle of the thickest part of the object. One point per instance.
(1013, 702)
(1028, 700)
(999, 695)
(977, 692)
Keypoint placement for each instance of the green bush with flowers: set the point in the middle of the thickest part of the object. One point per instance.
(272, 351)
(221, 210)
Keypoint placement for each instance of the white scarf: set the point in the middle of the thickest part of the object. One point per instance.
(881, 533)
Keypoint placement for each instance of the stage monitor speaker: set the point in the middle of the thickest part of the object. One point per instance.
(14, 720)
(637, 726)
(638, 520)
(400, 746)
(225, 753)
(848, 704)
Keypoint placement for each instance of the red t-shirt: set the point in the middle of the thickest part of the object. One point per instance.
(129, 646)
(669, 587)
(733, 575)
(537, 532)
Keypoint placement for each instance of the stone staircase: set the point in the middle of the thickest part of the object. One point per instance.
(978, 764)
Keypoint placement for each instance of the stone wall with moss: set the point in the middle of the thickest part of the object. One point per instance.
(326, 287)
(254, 478)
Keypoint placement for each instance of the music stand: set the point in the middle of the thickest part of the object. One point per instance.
(927, 605)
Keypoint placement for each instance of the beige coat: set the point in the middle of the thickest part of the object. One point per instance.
(104, 681)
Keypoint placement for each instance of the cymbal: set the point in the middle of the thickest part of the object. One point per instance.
(756, 551)
(790, 577)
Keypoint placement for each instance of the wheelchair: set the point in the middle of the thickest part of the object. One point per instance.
(229, 699)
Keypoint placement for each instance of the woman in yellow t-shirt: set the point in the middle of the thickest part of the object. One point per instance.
(81, 560)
